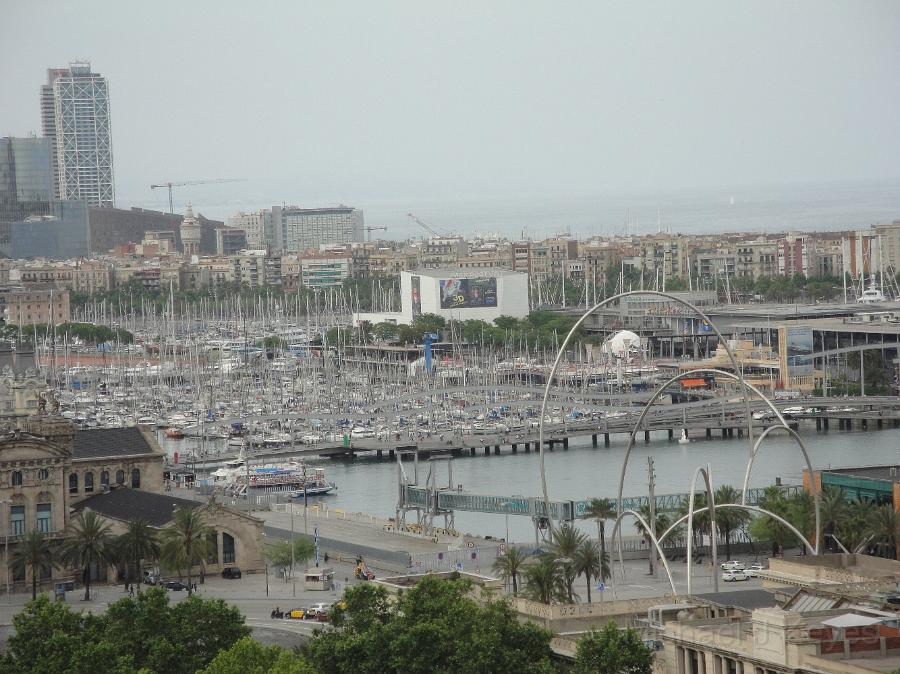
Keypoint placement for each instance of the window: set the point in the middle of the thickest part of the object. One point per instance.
(120, 477)
(43, 517)
(17, 478)
(73, 483)
(104, 480)
(212, 551)
(135, 478)
(43, 474)
(88, 482)
(227, 548)
(17, 520)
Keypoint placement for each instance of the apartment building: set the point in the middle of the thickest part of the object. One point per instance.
(324, 271)
(549, 257)
(889, 235)
(442, 252)
(256, 269)
(37, 304)
(756, 259)
(797, 255)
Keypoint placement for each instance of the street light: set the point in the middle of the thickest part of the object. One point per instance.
(6, 545)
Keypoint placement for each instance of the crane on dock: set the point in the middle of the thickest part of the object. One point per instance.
(185, 183)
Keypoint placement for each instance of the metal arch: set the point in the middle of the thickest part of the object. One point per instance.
(741, 506)
(659, 391)
(712, 525)
(653, 539)
(562, 350)
(817, 497)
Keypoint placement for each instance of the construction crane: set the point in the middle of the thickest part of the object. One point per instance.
(426, 227)
(185, 183)
(374, 229)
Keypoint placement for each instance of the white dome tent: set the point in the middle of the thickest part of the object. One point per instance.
(622, 346)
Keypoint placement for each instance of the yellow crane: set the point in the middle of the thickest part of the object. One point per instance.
(184, 183)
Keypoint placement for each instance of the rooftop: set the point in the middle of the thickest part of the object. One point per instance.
(128, 504)
(459, 272)
(887, 473)
(111, 442)
(742, 599)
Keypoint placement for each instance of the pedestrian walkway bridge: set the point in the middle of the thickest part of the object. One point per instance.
(440, 501)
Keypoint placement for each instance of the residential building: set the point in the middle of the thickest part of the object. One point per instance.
(296, 229)
(255, 269)
(324, 271)
(442, 251)
(520, 257)
(861, 253)
(258, 227)
(37, 304)
(889, 235)
(80, 127)
(756, 259)
(548, 257)
(219, 270)
(797, 255)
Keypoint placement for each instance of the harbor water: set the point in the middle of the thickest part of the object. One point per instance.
(583, 472)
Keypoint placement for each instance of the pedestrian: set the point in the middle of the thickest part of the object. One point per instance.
(131, 590)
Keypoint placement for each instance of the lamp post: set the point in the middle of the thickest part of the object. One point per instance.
(505, 505)
(7, 502)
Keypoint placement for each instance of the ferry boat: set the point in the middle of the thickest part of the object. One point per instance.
(871, 295)
(235, 476)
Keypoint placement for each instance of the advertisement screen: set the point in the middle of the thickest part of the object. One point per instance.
(468, 293)
(416, 296)
(799, 348)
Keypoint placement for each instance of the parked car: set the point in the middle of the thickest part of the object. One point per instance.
(151, 578)
(731, 576)
(753, 568)
(296, 614)
(176, 585)
(732, 566)
(231, 572)
(318, 609)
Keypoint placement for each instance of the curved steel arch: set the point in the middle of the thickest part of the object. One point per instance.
(659, 391)
(653, 539)
(711, 500)
(817, 497)
(741, 506)
(562, 350)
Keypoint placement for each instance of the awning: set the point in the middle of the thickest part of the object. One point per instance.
(852, 620)
(693, 383)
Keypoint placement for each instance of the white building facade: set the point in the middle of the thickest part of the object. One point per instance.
(258, 227)
(79, 124)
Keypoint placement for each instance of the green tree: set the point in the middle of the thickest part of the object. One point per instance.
(384, 331)
(612, 651)
(832, 508)
(729, 520)
(601, 510)
(884, 529)
(509, 566)
(281, 554)
(589, 562)
(34, 553)
(139, 543)
(186, 541)
(248, 656)
(543, 581)
(434, 627)
(564, 545)
(88, 544)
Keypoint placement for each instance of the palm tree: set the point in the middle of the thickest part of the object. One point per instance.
(662, 523)
(509, 565)
(590, 562)
(185, 541)
(885, 529)
(34, 552)
(833, 505)
(139, 543)
(600, 510)
(543, 582)
(88, 543)
(565, 543)
(729, 520)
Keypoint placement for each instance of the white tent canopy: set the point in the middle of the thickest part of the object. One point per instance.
(852, 620)
(623, 344)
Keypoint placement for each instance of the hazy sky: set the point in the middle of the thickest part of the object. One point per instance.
(324, 102)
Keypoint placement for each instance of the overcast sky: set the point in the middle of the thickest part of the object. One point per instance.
(325, 102)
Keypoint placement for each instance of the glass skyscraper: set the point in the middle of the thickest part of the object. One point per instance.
(26, 178)
(75, 117)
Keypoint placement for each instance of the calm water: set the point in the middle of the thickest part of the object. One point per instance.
(367, 485)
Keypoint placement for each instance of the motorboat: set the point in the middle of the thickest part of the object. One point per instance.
(684, 439)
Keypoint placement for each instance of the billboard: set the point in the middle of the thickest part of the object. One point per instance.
(416, 296)
(796, 344)
(468, 293)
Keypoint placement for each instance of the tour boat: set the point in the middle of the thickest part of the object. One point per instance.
(174, 433)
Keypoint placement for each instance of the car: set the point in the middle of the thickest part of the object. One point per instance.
(176, 585)
(318, 609)
(732, 566)
(753, 568)
(231, 572)
(296, 614)
(730, 576)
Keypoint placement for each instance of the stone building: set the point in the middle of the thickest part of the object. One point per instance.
(49, 471)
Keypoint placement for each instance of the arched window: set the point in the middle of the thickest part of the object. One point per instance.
(212, 548)
(135, 478)
(89, 482)
(104, 480)
(73, 483)
(17, 478)
(227, 548)
(120, 477)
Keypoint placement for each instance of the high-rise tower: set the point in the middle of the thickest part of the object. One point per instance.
(75, 116)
